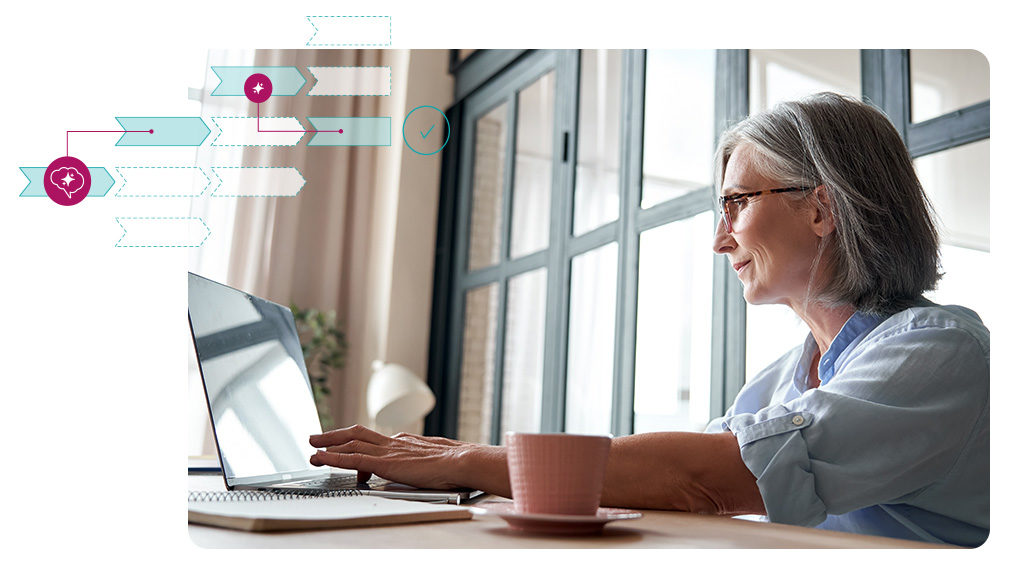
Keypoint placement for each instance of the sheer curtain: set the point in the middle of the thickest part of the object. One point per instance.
(359, 236)
(314, 249)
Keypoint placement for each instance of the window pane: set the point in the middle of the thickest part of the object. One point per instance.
(477, 380)
(772, 330)
(488, 187)
(531, 194)
(967, 280)
(942, 81)
(524, 352)
(588, 402)
(781, 75)
(596, 200)
(679, 123)
(957, 182)
(673, 342)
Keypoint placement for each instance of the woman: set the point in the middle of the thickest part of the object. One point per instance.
(877, 424)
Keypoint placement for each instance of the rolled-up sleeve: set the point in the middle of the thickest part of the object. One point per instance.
(775, 451)
(891, 422)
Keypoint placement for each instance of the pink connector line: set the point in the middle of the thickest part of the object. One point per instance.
(340, 131)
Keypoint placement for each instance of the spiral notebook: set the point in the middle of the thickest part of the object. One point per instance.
(268, 511)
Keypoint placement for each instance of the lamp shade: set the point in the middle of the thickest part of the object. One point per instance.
(395, 397)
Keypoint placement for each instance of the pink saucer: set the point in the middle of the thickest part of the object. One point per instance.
(556, 524)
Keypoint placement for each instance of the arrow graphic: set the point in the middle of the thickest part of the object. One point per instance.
(160, 181)
(287, 80)
(350, 80)
(257, 181)
(101, 182)
(350, 31)
(362, 131)
(166, 131)
(161, 232)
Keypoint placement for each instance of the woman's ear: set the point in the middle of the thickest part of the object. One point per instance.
(824, 221)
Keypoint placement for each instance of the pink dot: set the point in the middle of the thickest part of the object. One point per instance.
(340, 131)
(151, 130)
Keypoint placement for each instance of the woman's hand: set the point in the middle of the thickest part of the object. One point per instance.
(427, 462)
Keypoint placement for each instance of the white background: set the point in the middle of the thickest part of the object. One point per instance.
(94, 338)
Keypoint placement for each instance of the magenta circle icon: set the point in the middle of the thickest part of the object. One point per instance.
(258, 88)
(67, 181)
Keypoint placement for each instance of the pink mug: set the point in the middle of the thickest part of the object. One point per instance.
(557, 473)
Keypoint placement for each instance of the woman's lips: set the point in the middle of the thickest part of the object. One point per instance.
(739, 267)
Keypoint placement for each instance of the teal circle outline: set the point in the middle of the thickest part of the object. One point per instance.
(448, 131)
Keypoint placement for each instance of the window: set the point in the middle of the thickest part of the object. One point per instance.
(673, 343)
(943, 81)
(679, 131)
(947, 86)
(576, 287)
(596, 201)
(569, 251)
(781, 75)
(510, 160)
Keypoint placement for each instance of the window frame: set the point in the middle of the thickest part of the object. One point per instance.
(885, 81)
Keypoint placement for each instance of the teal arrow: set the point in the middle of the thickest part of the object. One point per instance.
(287, 80)
(179, 131)
(365, 131)
(101, 182)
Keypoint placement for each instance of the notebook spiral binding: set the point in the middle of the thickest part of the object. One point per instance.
(275, 495)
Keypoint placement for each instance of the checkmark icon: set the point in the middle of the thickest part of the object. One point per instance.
(428, 131)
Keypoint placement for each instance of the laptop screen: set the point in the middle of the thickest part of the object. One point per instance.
(257, 388)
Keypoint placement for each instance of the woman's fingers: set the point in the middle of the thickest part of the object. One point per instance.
(426, 440)
(361, 456)
(363, 463)
(344, 435)
(405, 458)
(356, 446)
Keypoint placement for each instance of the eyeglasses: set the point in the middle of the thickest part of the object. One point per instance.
(729, 207)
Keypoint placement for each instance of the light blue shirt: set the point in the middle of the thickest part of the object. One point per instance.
(894, 441)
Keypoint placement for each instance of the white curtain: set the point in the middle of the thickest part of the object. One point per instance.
(359, 237)
(312, 249)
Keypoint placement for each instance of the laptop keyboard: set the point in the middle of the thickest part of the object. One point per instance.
(338, 483)
(334, 483)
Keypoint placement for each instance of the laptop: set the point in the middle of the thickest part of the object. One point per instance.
(261, 402)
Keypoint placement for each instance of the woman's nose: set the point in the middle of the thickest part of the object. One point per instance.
(723, 241)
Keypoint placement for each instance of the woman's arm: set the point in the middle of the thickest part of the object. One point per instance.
(670, 470)
(700, 472)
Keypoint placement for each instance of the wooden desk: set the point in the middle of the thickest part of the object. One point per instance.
(657, 529)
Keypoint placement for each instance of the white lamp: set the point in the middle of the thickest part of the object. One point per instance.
(396, 399)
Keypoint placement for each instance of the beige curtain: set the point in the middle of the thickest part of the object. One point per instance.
(316, 250)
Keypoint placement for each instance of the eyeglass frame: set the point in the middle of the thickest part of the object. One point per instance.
(723, 201)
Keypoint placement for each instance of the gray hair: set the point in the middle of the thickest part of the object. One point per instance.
(884, 252)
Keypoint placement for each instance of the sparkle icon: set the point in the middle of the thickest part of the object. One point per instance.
(67, 181)
(258, 88)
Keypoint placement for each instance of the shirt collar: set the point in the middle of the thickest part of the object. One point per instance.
(856, 327)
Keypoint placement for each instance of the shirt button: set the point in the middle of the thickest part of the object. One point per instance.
(798, 420)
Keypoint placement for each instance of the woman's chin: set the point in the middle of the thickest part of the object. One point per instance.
(754, 296)
(750, 294)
